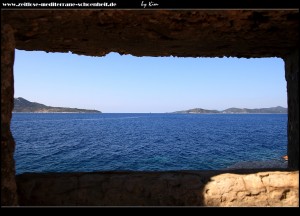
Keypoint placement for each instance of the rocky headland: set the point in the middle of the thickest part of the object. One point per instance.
(23, 105)
(271, 110)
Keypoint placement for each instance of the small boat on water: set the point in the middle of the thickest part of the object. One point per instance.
(285, 157)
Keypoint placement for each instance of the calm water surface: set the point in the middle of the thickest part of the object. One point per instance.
(95, 142)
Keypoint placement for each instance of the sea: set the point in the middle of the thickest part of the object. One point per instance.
(82, 142)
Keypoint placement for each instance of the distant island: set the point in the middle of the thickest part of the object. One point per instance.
(23, 105)
(271, 110)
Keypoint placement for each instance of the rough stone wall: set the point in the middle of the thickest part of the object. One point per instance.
(8, 184)
(185, 188)
(292, 78)
(184, 33)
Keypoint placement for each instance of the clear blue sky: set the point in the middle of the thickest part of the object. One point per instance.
(128, 84)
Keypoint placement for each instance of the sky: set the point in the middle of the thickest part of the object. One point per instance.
(127, 84)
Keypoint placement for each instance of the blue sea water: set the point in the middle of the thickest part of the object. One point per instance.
(74, 142)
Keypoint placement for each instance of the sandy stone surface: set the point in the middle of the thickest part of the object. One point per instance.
(185, 188)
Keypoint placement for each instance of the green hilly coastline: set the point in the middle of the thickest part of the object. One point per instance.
(23, 105)
(271, 110)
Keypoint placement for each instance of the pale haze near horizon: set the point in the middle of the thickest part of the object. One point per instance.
(128, 84)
